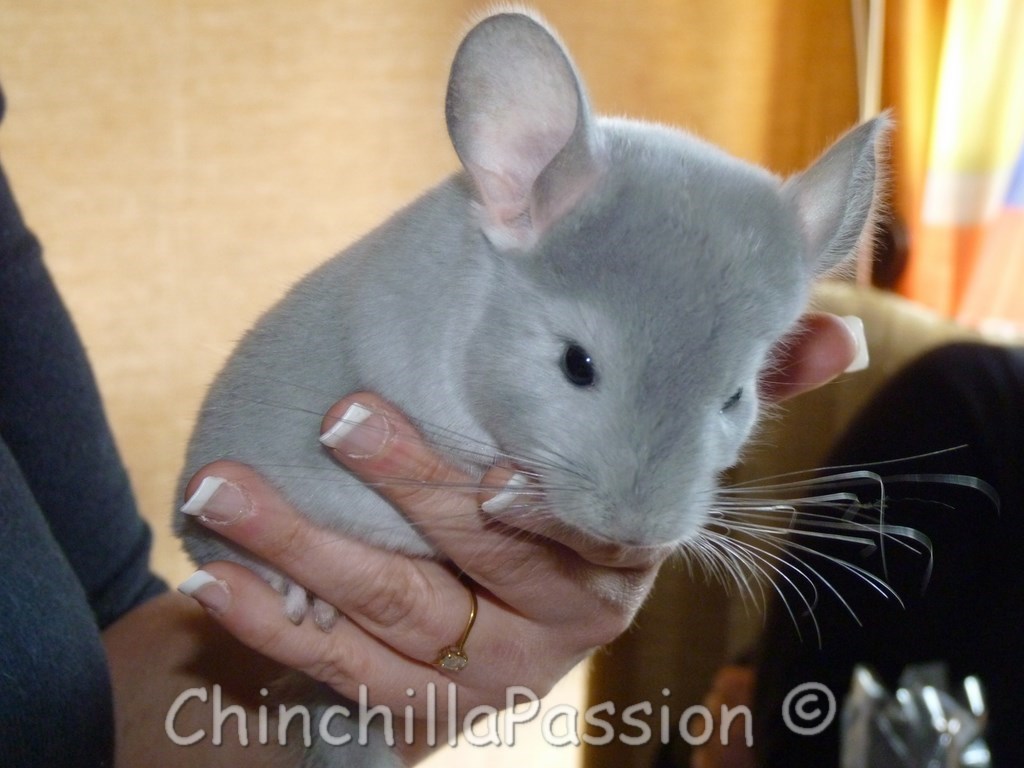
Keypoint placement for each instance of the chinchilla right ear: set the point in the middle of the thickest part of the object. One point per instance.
(519, 120)
(839, 198)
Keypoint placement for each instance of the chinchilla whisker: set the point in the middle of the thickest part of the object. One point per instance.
(798, 575)
(877, 583)
(753, 537)
(850, 499)
(484, 454)
(848, 505)
(276, 404)
(852, 510)
(964, 481)
(836, 480)
(756, 559)
(765, 566)
(462, 448)
(843, 469)
(786, 516)
(454, 443)
(454, 446)
(867, 543)
(340, 479)
(320, 393)
(824, 524)
(725, 560)
(452, 518)
(852, 535)
(870, 535)
(566, 465)
(331, 475)
(443, 439)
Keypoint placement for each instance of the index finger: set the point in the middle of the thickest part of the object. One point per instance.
(821, 348)
(443, 502)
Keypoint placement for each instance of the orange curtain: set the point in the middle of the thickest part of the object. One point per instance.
(959, 79)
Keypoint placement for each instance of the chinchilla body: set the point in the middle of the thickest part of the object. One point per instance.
(589, 299)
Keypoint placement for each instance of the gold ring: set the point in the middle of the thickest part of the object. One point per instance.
(454, 658)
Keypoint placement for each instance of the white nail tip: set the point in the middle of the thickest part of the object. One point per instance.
(353, 417)
(863, 356)
(195, 582)
(196, 503)
(505, 498)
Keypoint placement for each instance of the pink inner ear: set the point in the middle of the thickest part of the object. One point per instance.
(504, 208)
(509, 154)
(557, 193)
(518, 208)
(837, 197)
(515, 110)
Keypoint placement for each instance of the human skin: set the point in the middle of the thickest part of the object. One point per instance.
(543, 605)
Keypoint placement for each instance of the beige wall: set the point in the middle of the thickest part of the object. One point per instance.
(184, 160)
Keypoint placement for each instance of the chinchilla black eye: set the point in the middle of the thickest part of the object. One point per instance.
(732, 401)
(577, 366)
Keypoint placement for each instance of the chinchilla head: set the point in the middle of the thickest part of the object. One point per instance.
(642, 278)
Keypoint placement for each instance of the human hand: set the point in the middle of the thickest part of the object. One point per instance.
(545, 600)
(543, 606)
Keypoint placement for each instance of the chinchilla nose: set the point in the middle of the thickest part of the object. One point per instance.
(658, 496)
(639, 512)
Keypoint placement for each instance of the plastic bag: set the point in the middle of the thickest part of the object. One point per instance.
(922, 725)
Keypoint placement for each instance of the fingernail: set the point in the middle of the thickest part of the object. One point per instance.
(209, 592)
(862, 359)
(507, 496)
(218, 501)
(361, 433)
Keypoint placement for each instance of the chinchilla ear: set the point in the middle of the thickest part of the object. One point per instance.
(519, 120)
(838, 199)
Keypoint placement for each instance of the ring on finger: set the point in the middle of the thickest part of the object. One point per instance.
(453, 658)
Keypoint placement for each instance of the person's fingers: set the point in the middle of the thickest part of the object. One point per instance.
(410, 603)
(499, 646)
(512, 555)
(345, 658)
(413, 607)
(530, 588)
(819, 350)
(377, 443)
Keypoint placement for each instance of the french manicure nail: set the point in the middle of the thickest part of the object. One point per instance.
(217, 501)
(506, 497)
(863, 358)
(361, 433)
(209, 592)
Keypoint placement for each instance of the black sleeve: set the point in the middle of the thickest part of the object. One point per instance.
(74, 553)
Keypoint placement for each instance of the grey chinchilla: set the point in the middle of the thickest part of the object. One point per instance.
(591, 299)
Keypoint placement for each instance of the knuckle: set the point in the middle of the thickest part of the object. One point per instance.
(429, 466)
(272, 640)
(344, 671)
(391, 596)
(284, 545)
(507, 562)
(428, 481)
